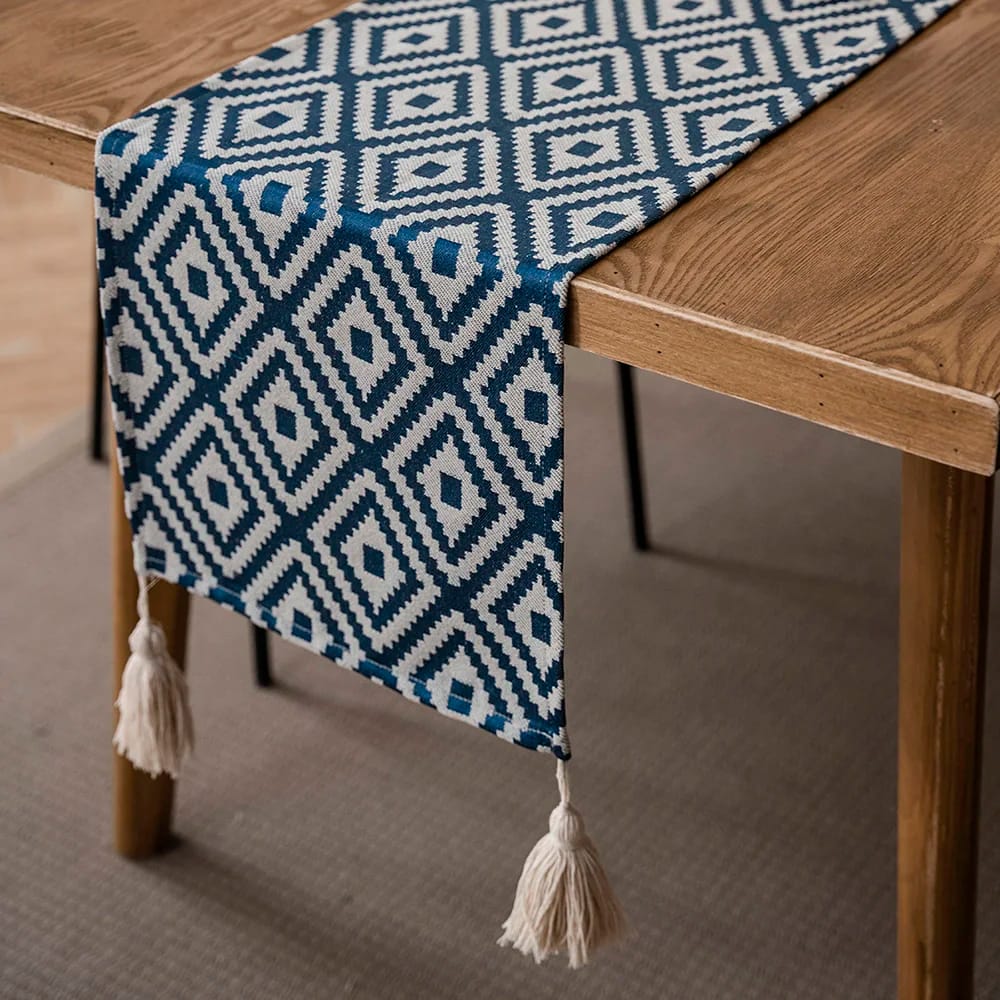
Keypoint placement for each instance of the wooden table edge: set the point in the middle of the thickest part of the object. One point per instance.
(42, 146)
(929, 419)
(932, 420)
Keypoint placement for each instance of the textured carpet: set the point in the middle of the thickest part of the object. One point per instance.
(338, 841)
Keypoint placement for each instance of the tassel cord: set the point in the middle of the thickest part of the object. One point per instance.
(142, 601)
(562, 780)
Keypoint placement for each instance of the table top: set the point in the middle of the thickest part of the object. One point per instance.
(847, 272)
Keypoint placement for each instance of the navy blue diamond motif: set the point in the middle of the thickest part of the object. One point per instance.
(606, 219)
(568, 81)
(273, 119)
(130, 359)
(361, 344)
(272, 198)
(536, 407)
(736, 124)
(541, 627)
(301, 625)
(460, 697)
(451, 491)
(583, 148)
(382, 556)
(197, 281)
(284, 421)
(444, 258)
(217, 492)
(422, 101)
(373, 560)
(545, 675)
(430, 170)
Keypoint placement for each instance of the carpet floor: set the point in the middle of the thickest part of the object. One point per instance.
(732, 708)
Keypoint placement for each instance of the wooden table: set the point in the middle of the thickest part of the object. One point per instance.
(847, 273)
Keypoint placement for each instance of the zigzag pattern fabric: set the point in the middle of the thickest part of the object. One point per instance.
(333, 280)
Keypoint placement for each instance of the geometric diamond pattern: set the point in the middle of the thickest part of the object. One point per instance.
(333, 281)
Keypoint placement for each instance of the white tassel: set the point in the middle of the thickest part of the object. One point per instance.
(564, 901)
(155, 730)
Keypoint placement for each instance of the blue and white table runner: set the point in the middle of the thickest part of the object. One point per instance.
(333, 280)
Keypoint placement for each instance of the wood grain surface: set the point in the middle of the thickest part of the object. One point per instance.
(863, 242)
(944, 590)
(75, 68)
(880, 403)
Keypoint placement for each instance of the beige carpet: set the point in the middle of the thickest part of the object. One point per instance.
(732, 705)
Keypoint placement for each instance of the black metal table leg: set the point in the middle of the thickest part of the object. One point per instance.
(261, 656)
(630, 427)
(97, 400)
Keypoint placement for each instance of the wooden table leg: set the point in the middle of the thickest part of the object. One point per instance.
(944, 585)
(143, 804)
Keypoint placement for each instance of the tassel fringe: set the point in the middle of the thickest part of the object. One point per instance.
(564, 901)
(155, 730)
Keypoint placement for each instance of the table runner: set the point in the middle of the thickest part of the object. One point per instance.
(333, 280)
